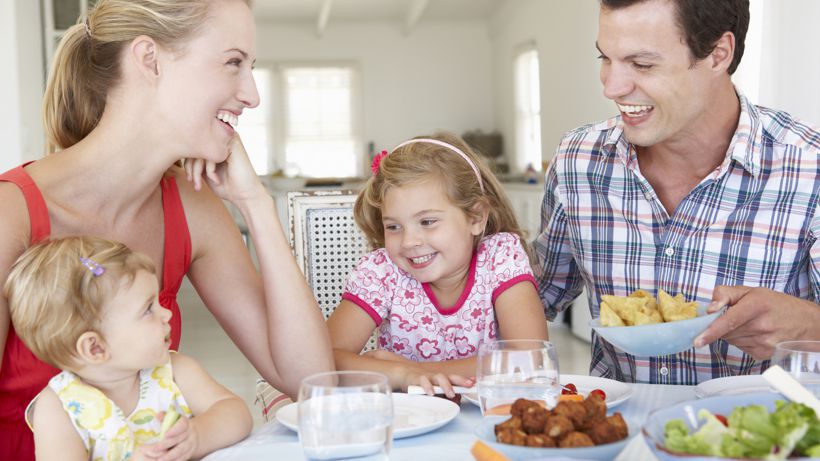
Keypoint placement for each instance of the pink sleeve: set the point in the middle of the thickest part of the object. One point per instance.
(509, 262)
(370, 285)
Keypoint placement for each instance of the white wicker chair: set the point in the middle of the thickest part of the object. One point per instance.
(327, 245)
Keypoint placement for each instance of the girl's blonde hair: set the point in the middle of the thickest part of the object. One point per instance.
(86, 65)
(54, 297)
(425, 161)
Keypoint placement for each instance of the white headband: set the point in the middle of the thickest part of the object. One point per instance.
(452, 148)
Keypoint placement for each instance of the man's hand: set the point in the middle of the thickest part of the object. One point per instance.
(759, 318)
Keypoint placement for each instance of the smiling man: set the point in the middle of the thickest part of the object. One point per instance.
(690, 188)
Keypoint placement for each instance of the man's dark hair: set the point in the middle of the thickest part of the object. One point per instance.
(703, 22)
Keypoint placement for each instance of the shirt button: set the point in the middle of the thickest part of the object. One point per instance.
(664, 371)
(669, 251)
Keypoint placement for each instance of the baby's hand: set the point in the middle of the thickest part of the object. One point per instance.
(180, 441)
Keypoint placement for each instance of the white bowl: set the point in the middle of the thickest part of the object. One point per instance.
(658, 338)
(687, 411)
(604, 452)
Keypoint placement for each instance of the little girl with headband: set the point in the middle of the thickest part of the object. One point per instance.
(89, 307)
(450, 271)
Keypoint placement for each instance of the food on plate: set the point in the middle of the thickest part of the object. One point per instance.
(570, 392)
(483, 452)
(640, 308)
(570, 424)
(749, 432)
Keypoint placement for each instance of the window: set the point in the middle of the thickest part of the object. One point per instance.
(527, 111)
(255, 124)
(319, 121)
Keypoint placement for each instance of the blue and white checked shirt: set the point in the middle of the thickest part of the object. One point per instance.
(754, 221)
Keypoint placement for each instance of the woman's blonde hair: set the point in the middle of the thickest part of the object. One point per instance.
(425, 161)
(86, 65)
(54, 297)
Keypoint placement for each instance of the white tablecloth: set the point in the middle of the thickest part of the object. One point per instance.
(453, 441)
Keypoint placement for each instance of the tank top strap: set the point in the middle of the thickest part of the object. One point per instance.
(177, 238)
(37, 210)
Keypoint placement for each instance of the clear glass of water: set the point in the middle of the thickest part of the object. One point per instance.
(512, 369)
(801, 359)
(345, 414)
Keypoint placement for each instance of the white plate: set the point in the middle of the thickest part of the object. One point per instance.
(412, 414)
(616, 391)
(732, 385)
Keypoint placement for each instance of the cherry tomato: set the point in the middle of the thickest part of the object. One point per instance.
(599, 393)
(569, 389)
(722, 419)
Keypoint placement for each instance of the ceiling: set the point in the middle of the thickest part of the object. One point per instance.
(407, 11)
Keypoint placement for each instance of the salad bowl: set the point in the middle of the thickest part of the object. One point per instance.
(653, 429)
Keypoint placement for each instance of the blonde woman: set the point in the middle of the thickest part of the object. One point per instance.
(135, 87)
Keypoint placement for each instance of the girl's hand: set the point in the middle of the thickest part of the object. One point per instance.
(233, 180)
(179, 443)
(426, 380)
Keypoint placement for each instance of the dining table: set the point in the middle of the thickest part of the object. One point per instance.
(273, 441)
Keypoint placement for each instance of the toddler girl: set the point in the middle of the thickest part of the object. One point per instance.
(450, 271)
(89, 307)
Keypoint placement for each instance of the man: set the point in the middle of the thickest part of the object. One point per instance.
(691, 189)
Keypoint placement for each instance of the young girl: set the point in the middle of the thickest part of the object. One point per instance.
(90, 307)
(450, 273)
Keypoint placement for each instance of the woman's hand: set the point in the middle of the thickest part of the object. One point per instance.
(180, 442)
(233, 180)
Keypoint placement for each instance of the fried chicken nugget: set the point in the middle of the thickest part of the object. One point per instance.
(533, 420)
(521, 405)
(596, 410)
(540, 440)
(557, 426)
(618, 422)
(575, 411)
(575, 440)
(512, 437)
(513, 424)
(603, 432)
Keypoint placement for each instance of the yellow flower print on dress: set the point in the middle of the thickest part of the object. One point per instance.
(89, 406)
(164, 377)
(143, 416)
(121, 446)
(145, 436)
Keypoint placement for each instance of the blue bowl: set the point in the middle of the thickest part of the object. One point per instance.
(605, 452)
(687, 411)
(658, 338)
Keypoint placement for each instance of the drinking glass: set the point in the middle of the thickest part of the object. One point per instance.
(802, 360)
(345, 414)
(512, 369)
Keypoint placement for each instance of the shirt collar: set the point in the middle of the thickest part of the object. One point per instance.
(741, 149)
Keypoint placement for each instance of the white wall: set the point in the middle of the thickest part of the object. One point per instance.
(790, 60)
(21, 82)
(564, 34)
(437, 78)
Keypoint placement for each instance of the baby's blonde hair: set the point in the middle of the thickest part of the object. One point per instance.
(54, 297)
(425, 161)
(86, 65)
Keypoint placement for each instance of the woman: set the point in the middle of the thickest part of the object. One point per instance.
(136, 87)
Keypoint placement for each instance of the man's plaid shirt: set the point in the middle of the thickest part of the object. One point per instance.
(754, 221)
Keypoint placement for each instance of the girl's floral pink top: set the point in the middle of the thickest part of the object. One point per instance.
(413, 324)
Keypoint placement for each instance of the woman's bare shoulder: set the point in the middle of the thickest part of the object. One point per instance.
(14, 221)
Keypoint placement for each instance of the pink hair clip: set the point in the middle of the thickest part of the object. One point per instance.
(95, 269)
(377, 161)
